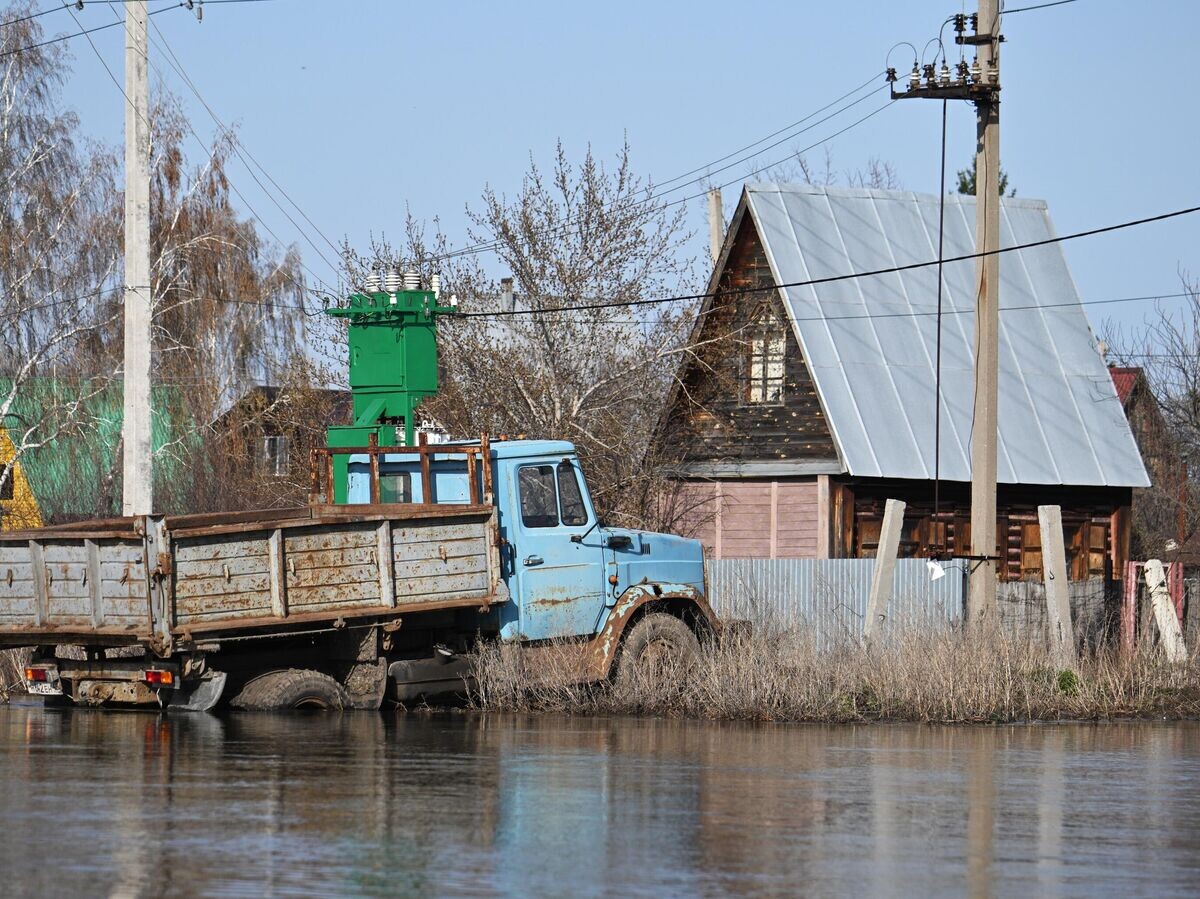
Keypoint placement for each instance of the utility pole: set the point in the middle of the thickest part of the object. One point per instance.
(978, 82)
(137, 463)
(716, 225)
(981, 594)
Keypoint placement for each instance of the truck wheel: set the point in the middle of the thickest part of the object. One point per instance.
(659, 642)
(294, 688)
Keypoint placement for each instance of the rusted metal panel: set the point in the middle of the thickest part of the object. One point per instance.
(231, 575)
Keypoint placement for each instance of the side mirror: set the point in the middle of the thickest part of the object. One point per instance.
(619, 541)
(577, 538)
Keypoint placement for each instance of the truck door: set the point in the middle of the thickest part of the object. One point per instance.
(560, 584)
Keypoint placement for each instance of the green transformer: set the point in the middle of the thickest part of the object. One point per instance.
(393, 367)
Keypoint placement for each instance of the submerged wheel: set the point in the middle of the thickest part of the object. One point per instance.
(658, 645)
(294, 688)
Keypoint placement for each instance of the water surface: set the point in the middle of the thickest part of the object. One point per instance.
(104, 803)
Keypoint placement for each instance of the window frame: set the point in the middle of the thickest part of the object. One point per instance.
(521, 494)
(560, 469)
(277, 462)
(767, 349)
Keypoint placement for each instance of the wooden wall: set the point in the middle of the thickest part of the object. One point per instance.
(755, 518)
(1094, 524)
(711, 418)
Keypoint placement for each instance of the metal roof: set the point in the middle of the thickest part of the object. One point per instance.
(872, 358)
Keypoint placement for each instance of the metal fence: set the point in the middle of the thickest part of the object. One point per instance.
(1095, 605)
(829, 596)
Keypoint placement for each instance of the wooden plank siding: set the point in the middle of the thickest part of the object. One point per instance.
(711, 419)
(740, 518)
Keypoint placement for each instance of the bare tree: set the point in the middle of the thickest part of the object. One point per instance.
(576, 235)
(1166, 423)
(58, 261)
(878, 173)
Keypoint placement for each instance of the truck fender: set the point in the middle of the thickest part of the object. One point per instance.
(602, 651)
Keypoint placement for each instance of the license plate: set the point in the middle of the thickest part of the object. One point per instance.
(45, 688)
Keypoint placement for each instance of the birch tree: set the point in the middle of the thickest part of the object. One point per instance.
(59, 262)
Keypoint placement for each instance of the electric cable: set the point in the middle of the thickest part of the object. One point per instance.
(829, 279)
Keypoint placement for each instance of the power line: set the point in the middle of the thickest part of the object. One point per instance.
(706, 167)
(34, 15)
(245, 155)
(853, 275)
(85, 31)
(495, 244)
(232, 186)
(1009, 12)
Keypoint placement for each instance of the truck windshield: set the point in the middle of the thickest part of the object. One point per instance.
(569, 495)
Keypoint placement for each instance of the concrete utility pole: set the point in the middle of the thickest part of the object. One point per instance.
(137, 463)
(978, 82)
(716, 225)
(981, 594)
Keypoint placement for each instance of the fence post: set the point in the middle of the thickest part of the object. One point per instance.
(1058, 591)
(1164, 612)
(1129, 592)
(885, 566)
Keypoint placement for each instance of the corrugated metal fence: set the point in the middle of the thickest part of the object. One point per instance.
(829, 596)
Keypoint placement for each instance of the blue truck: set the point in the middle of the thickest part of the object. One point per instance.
(377, 595)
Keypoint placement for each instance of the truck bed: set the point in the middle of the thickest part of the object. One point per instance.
(172, 581)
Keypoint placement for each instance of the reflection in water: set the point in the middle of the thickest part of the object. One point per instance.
(135, 804)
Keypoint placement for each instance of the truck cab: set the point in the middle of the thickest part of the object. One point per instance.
(566, 571)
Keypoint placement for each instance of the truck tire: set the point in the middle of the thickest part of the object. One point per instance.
(294, 688)
(657, 641)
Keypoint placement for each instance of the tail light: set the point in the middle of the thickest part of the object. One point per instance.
(158, 678)
(37, 675)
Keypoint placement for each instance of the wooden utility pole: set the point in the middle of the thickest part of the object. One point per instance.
(978, 82)
(716, 225)
(981, 594)
(137, 462)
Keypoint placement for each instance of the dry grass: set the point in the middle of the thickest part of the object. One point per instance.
(12, 672)
(782, 675)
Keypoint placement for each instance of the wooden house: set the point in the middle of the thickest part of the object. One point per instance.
(805, 406)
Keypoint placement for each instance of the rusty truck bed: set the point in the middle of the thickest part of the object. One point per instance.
(172, 581)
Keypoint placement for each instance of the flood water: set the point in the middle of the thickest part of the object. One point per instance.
(103, 803)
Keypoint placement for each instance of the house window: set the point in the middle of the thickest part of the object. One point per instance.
(764, 384)
(275, 455)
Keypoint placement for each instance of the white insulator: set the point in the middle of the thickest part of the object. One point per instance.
(412, 280)
(393, 281)
(435, 284)
(372, 283)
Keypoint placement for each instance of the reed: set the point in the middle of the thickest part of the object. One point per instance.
(780, 674)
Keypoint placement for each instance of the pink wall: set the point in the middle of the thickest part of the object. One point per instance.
(755, 519)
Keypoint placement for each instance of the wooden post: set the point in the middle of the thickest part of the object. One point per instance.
(885, 566)
(373, 458)
(824, 518)
(1058, 594)
(1129, 592)
(277, 566)
(426, 477)
(1165, 615)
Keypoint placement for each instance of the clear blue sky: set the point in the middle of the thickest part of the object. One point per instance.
(360, 108)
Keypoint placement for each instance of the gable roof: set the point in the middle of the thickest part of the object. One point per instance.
(870, 342)
(1124, 380)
